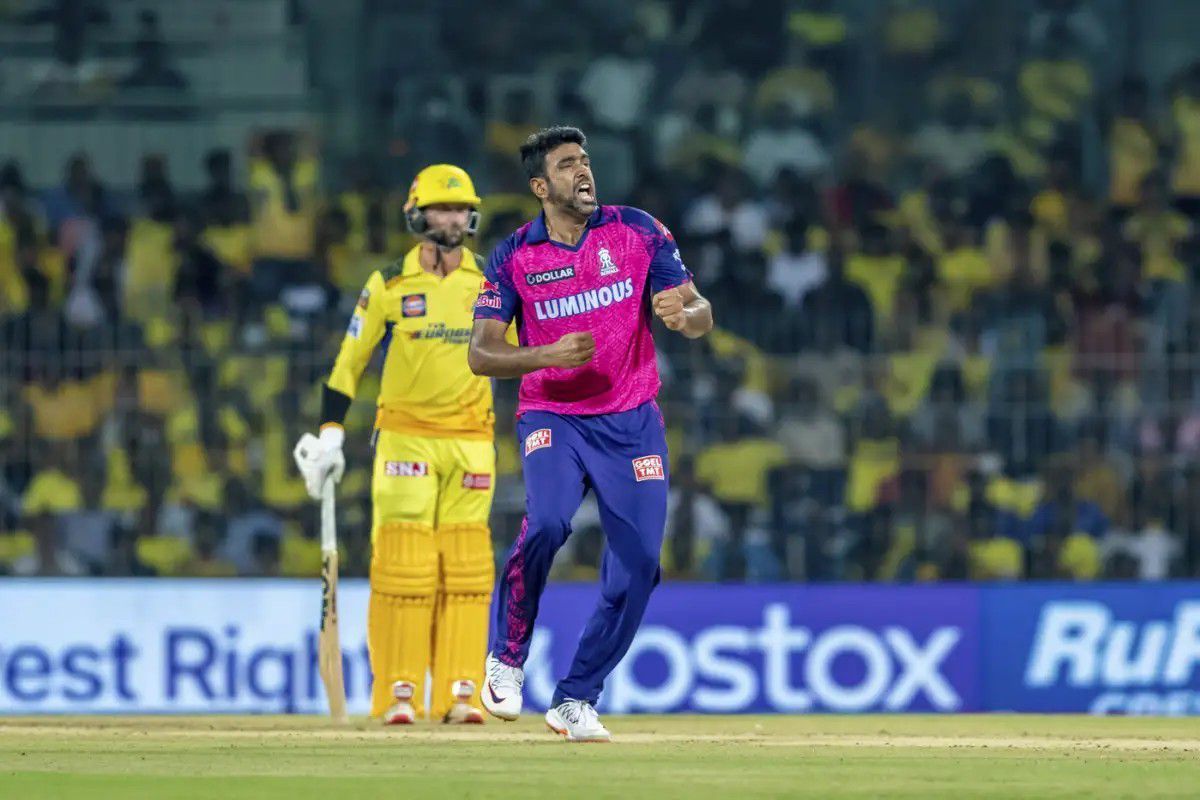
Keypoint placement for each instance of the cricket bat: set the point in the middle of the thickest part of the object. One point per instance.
(329, 649)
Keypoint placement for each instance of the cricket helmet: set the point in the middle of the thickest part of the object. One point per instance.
(440, 183)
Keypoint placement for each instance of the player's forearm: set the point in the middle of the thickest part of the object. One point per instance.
(499, 359)
(698, 318)
(334, 405)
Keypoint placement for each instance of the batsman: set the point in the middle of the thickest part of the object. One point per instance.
(432, 483)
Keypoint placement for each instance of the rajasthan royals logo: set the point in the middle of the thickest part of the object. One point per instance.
(607, 267)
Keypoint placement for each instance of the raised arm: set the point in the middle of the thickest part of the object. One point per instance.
(492, 355)
(675, 299)
(684, 309)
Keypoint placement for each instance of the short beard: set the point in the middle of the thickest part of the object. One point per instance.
(568, 202)
(445, 239)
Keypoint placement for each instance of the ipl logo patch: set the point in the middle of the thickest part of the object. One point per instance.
(607, 267)
(537, 440)
(648, 468)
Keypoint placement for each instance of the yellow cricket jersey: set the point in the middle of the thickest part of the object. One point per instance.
(426, 388)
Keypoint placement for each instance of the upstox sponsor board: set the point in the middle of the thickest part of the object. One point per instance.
(250, 646)
(780, 648)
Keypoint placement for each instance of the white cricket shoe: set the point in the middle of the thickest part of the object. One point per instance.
(578, 721)
(402, 711)
(501, 693)
(462, 712)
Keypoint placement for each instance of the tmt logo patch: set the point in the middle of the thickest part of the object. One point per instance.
(648, 468)
(412, 305)
(406, 469)
(537, 440)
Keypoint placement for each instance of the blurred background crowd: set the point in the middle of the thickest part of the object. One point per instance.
(951, 246)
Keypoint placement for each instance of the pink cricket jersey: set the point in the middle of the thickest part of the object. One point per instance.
(602, 285)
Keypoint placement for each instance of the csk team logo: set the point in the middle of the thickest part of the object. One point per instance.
(607, 267)
(537, 440)
(412, 305)
(648, 468)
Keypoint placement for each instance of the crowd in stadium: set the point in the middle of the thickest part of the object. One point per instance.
(954, 336)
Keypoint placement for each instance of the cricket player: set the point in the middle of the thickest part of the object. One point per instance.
(432, 568)
(581, 280)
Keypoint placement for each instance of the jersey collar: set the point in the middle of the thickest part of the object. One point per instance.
(538, 233)
(412, 262)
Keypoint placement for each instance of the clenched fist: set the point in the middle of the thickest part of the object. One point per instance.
(668, 306)
(572, 350)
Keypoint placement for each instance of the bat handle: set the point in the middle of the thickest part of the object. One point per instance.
(328, 517)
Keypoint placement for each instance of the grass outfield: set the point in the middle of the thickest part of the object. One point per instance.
(231, 758)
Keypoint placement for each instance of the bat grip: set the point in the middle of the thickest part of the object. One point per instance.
(328, 517)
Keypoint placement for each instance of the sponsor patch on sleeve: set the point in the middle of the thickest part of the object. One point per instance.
(355, 327)
(489, 296)
(537, 440)
(364, 299)
(487, 301)
(648, 468)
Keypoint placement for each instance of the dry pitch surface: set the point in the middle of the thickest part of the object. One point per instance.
(699, 758)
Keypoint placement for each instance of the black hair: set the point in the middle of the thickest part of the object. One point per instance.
(535, 148)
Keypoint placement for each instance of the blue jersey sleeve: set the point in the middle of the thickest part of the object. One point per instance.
(666, 264)
(498, 298)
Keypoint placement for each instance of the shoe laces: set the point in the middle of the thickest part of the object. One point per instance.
(502, 676)
(580, 713)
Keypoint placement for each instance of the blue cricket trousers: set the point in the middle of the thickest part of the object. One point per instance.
(622, 457)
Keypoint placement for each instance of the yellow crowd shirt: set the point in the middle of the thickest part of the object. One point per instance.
(1185, 178)
(425, 324)
(283, 230)
(1132, 155)
(1159, 234)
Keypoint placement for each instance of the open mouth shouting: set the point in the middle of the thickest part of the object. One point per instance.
(584, 192)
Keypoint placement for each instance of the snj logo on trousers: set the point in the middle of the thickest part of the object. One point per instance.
(648, 468)
(405, 469)
(550, 275)
(583, 302)
(537, 440)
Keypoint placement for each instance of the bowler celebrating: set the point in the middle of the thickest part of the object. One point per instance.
(581, 280)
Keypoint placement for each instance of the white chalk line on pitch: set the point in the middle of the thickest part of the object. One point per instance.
(485, 736)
